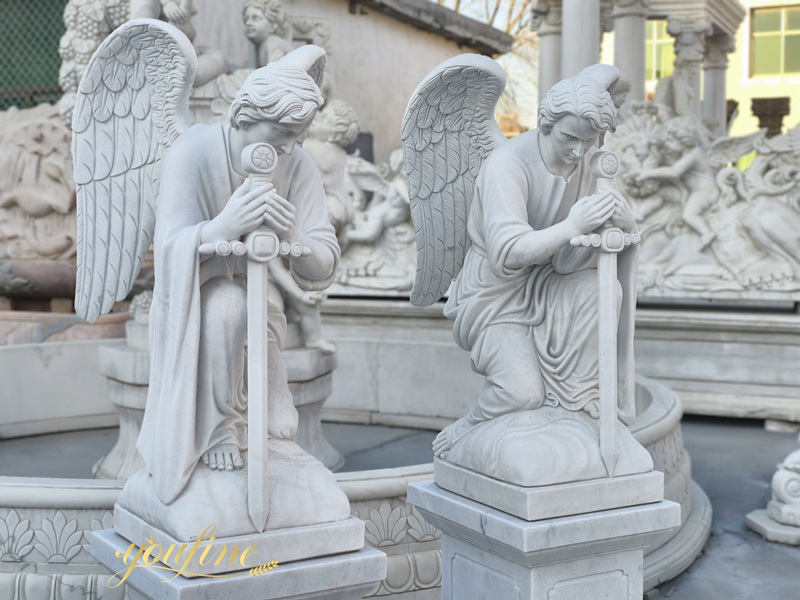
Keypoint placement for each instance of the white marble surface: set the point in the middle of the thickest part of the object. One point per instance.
(597, 555)
(549, 501)
(340, 577)
(53, 387)
(762, 523)
(287, 545)
(476, 520)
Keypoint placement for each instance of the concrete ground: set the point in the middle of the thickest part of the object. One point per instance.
(732, 460)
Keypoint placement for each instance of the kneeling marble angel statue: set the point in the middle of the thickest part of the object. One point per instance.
(512, 222)
(144, 174)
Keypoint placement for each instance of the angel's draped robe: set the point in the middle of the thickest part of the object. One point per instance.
(197, 395)
(514, 321)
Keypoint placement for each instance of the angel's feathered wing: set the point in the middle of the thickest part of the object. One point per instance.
(448, 131)
(366, 175)
(727, 150)
(132, 104)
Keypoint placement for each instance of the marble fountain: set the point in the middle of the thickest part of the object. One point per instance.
(55, 384)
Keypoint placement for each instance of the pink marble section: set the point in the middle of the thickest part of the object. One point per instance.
(21, 327)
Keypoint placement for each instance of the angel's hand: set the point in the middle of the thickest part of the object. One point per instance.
(311, 298)
(623, 216)
(243, 213)
(174, 12)
(589, 212)
(280, 216)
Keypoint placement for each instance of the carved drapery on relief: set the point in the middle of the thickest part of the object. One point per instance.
(37, 192)
(312, 30)
(709, 230)
(209, 102)
(380, 255)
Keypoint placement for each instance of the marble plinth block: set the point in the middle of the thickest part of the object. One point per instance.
(339, 577)
(548, 501)
(286, 545)
(486, 552)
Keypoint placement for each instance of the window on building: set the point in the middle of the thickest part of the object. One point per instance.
(775, 41)
(659, 54)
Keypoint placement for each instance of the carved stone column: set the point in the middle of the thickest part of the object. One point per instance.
(581, 46)
(547, 23)
(690, 35)
(630, 18)
(770, 113)
(718, 47)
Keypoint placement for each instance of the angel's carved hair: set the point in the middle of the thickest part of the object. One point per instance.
(345, 123)
(273, 12)
(685, 130)
(581, 97)
(282, 93)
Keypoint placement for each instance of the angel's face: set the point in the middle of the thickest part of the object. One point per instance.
(256, 25)
(281, 136)
(572, 137)
(322, 126)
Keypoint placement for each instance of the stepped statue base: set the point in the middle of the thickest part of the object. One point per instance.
(596, 555)
(340, 577)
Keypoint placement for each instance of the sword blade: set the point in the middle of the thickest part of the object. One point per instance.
(607, 334)
(257, 395)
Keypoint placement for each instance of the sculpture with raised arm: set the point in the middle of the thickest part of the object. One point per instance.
(143, 173)
(499, 217)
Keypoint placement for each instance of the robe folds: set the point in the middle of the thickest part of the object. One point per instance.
(186, 411)
(556, 300)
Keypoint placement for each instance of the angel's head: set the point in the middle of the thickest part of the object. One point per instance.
(337, 124)
(276, 105)
(573, 114)
(263, 18)
(682, 133)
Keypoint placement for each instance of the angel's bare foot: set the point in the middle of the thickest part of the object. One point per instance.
(322, 345)
(446, 438)
(224, 457)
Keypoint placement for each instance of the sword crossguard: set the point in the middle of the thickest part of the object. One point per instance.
(263, 245)
(610, 240)
(235, 247)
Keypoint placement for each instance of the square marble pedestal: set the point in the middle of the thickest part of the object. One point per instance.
(489, 553)
(339, 577)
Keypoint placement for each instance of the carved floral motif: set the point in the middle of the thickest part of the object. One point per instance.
(385, 526)
(59, 540)
(15, 538)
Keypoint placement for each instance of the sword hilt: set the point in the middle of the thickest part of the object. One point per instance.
(610, 240)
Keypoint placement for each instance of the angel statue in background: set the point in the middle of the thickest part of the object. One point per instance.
(499, 216)
(143, 173)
